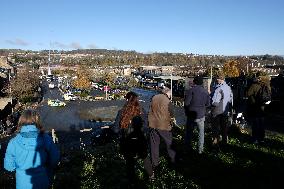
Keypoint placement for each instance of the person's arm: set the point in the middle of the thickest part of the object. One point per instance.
(10, 159)
(171, 109)
(188, 98)
(144, 116)
(231, 96)
(207, 103)
(251, 93)
(187, 101)
(116, 127)
(216, 97)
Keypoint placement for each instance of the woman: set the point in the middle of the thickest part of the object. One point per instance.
(131, 109)
(130, 120)
(124, 116)
(31, 153)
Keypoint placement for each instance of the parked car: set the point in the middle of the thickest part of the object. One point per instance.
(69, 96)
(56, 102)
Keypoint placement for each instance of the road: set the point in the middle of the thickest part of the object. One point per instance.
(67, 118)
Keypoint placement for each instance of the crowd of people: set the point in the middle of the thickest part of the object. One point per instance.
(157, 125)
(33, 155)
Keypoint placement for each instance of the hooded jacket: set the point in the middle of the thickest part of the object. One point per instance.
(33, 155)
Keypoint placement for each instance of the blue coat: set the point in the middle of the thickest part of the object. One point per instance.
(33, 156)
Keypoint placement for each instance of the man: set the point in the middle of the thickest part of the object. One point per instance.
(195, 103)
(160, 117)
(259, 95)
(221, 103)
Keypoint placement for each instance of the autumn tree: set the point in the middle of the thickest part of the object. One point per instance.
(25, 86)
(108, 78)
(83, 79)
(230, 68)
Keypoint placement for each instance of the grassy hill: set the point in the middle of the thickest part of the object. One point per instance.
(241, 164)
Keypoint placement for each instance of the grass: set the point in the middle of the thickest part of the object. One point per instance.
(240, 164)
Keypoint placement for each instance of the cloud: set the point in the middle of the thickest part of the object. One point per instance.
(17, 41)
(74, 45)
(92, 46)
(60, 45)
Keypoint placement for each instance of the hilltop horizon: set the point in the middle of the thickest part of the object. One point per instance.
(118, 50)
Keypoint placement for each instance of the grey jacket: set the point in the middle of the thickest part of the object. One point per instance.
(195, 102)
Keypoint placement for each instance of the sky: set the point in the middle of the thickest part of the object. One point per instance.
(212, 27)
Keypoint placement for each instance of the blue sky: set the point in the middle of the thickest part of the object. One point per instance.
(223, 27)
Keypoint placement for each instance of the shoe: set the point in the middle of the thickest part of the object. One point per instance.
(152, 177)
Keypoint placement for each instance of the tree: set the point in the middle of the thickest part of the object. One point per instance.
(83, 79)
(133, 82)
(25, 85)
(230, 68)
(108, 78)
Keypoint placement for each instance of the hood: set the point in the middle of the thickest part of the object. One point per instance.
(29, 138)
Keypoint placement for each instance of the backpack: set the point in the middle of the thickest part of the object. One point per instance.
(263, 95)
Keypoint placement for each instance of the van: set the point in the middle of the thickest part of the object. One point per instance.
(69, 96)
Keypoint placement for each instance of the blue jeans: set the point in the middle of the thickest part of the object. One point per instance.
(190, 125)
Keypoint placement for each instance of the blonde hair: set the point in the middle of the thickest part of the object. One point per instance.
(30, 117)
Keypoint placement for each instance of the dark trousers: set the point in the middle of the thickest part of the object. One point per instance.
(220, 126)
(155, 135)
(258, 132)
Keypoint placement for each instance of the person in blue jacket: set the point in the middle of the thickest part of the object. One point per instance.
(31, 153)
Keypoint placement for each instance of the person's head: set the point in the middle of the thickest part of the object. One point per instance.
(130, 109)
(137, 123)
(130, 96)
(261, 77)
(30, 117)
(167, 91)
(220, 77)
(198, 80)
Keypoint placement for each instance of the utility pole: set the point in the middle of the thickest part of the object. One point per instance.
(172, 83)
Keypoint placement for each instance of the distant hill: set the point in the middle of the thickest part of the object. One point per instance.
(91, 57)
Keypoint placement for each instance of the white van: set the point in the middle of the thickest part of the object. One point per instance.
(69, 96)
